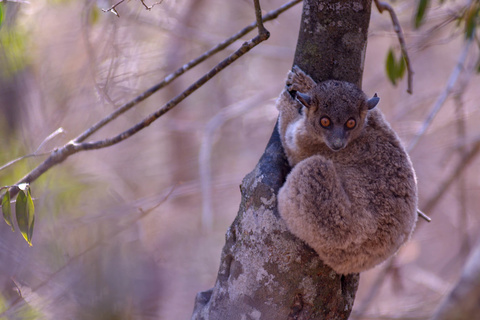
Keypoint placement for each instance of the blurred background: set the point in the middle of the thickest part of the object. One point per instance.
(135, 230)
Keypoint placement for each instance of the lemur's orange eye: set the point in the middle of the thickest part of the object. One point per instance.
(325, 122)
(350, 124)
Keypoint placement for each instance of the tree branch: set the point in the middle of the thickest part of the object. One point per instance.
(462, 302)
(113, 9)
(464, 162)
(398, 30)
(78, 144)
(172, 76)
(36, 153)
(443, 96)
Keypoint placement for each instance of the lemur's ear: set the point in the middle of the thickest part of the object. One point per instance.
(372, 102)
(304, 99)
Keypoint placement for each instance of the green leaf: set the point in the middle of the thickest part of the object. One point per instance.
(7, 209)
(2, 13)
(94, 15)
(24, 211)
(471, 15)
(30, 209)
(390, 67)
(420, 14)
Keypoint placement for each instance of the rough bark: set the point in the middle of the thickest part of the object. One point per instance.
(333, 39)
(265, 272)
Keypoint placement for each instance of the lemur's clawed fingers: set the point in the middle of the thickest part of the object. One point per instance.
(297, 80)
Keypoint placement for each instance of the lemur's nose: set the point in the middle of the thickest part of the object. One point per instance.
(337, 144)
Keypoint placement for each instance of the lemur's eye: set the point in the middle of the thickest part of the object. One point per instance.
(350, 124)
(325, 122)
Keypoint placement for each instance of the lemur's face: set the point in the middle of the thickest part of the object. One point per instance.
(335, 112)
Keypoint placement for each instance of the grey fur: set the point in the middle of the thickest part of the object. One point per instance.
(352, 193)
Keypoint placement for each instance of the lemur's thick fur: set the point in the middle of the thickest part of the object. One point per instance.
(352, 193)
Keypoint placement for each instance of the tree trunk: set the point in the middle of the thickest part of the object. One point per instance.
(266, 272)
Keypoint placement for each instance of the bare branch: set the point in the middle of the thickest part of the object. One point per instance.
(258, 16)
(36, 153)
(247, 46)
(172, 76)
(398, 30)
(78, 144)
(17, 1)
(113, 9)
(462, 181)
(153, 5)
(464, 162)
(462, 302)
(443, 96)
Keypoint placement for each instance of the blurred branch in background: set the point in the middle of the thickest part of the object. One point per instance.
(23, 297)
(443, 96)
(205, 153)
(113, 9)
(462, 302)
(463, 163)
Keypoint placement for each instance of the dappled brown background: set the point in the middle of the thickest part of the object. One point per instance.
(95, 256)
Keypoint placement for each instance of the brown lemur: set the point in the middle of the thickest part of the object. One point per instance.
(352, 192)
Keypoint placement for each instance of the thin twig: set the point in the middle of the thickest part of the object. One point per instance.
(36, 153)
(16, 1)
(113, 9)
(443, 96)
(258, 16)
(153, 5)
(401, 39)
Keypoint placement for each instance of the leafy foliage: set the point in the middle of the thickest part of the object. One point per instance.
(395, 68)
(7, 209)
(2, 13)
(471, 19)
(420, 13)
(24, 211)
(15, 40)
